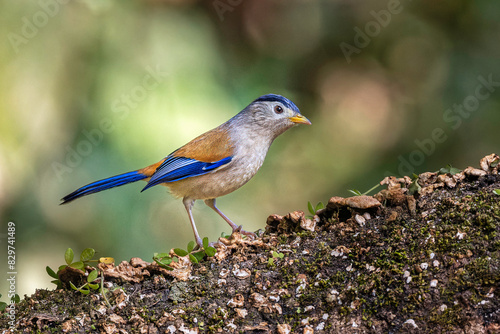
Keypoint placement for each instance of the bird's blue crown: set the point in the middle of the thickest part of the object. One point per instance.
(278, 98)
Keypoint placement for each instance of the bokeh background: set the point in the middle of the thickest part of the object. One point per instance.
(94, 88)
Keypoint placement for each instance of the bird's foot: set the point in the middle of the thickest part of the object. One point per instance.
(199, 245)
(214, 244)
(248, 234)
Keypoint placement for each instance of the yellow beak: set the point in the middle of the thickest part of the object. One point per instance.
(299, 119)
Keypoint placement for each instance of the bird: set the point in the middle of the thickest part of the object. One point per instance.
(215, 163)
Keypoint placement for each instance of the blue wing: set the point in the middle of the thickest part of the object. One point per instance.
(178, 168)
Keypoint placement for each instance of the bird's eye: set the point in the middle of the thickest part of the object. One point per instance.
(278, 109)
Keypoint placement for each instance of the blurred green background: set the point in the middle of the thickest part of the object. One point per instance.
(94, 88)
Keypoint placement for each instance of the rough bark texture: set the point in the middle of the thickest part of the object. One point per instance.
(397, 262)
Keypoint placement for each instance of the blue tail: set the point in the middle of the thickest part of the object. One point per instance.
(110, 182)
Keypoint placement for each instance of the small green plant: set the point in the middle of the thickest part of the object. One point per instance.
(85, 288)
(414, 187)
(359, 193)
(275, 255)
(355, 192)
(86, 258)
(449, 170)
(225, 235)
(313, 209)
(164, 260)
(195, 255)
(496, 191)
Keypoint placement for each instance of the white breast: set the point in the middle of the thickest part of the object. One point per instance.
(245, 163)
(249, 154)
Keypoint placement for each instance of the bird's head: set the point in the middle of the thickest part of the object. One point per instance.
(275, 113)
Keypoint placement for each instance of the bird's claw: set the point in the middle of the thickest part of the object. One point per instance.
(248, 234)
(210, 244)
(214, 244)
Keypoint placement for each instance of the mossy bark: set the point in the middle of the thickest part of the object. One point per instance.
(416, 263)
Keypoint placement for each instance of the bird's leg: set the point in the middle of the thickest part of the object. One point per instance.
(188, 203)
(236, 228)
